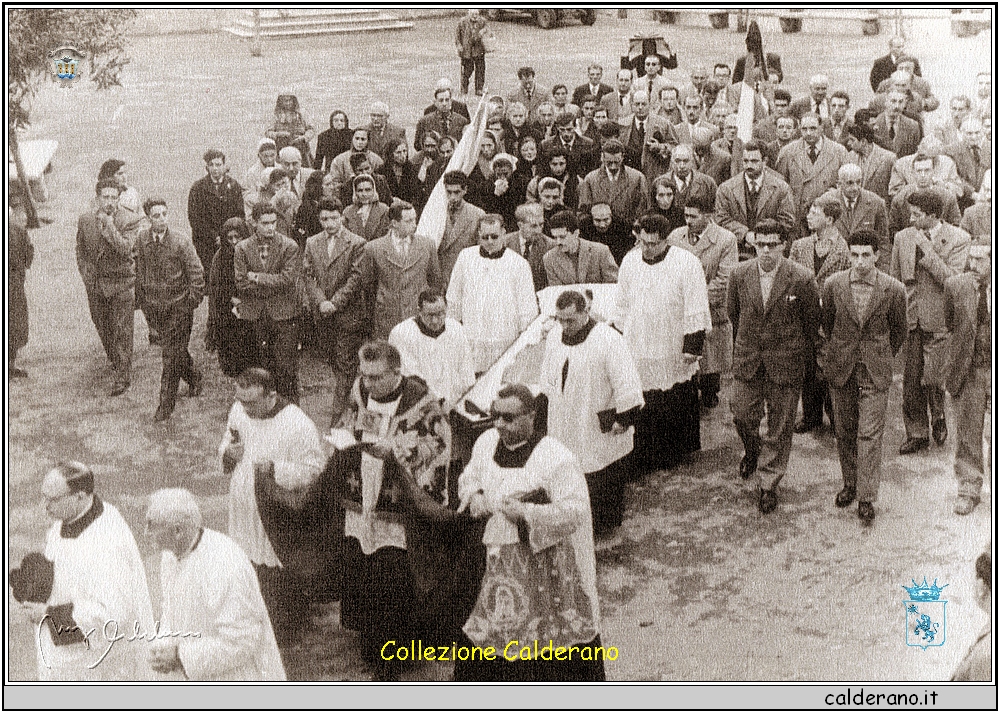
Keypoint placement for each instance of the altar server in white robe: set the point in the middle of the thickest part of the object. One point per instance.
(491, 293)
(594, 396)
(434, 347)
(274, 441)
(215, 625)
(663, 313)
(99, 591)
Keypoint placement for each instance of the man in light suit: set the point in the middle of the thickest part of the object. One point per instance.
(861, 210)
(836, 127)
(774, 308)
(461, 226)
(924, 170)
(876, 162)
(752, 196)
(809, 165)
(443, 119)
(267, 267)
(398, 267)
(648, 139)
(945, 173)
(594, 87)
(715, 247)
(383, 136)
(530, 242)
(651, 82)
(618, 102)
(624, 189)
(968, 310)
(893, 130)
(972, 156)
(527, 92)
(694, 108)
(864, 324)
(576, 261)
(333, 266)
(923, 257)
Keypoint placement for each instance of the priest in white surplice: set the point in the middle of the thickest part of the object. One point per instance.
(433, 347)
(492, 294)
(215, 625)
(664, 315)
(594, 396)
(99, 589)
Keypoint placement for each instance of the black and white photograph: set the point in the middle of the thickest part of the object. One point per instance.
(585, 346)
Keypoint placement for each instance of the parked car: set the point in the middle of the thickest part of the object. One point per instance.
(544, 18)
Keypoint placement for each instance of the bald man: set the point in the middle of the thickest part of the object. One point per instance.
(383, 136)
(817, 102)
(862, 210)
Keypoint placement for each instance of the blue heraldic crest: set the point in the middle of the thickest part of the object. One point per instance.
(925, 615)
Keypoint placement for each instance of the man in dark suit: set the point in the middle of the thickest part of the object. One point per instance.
(688, 182)
(461, 228)
(648, 139)
(923, 257)
(581, 152)
(876, 162)
(105, 259)
(444, 120)
(169, 284)
(924, 168)
(836, 128)
(817, 102)
(383, 136)
(809, 165)
(861, 210)
(895, 131)
(713, 161)
(458, 106)
(972, 158)
(765, 130)
(752, 196)
(213, 199)
(600, 226)
(969, 315)
(530, 242)
(333, 267)
(575, 261)
(618, 101)
(595, 87)
(864, 324)
(884, 66)
(774, 308)
(267, 267)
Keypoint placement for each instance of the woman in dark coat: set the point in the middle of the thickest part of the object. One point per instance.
(664, 203)
(232, 337)
(401, 175)
(334, 141)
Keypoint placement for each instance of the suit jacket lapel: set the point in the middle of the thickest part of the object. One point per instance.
(389, 251)
(755, 292)
(339, 247)
(766, 188)
(878, 294)
(778, 287)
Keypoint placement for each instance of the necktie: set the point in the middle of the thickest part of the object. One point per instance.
(622, 98)
(265, 250)
(642, 132)
(975, 154)
(892, 131)
(649, 88)
(813, 153)
(446, 123)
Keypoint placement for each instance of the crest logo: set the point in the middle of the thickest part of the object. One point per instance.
(65, 64)
(925, 615)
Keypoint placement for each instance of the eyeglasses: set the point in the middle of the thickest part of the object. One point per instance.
(505, 416)
(489, 236)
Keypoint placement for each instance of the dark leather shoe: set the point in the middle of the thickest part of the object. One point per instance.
(748, 466)
(768, 501)
(807, 426)
(866, 513)
(912, 445)
(845, 497)
(119, 388)
(940, 431)
(163, 413)
(196, 385)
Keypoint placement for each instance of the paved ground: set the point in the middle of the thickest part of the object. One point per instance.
(697, 585)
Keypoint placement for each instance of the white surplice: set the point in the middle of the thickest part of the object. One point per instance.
(444, 362)
(101, 573)
(600, 375)
(213, 610)
(657, 305)
(288, 439)
(495, 301)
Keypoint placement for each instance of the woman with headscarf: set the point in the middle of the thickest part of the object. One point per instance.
(481, 177)
(507, 192)
(290, 128)
(527, 157)
(233, 338)
(401, 175)
(334, 141)
(665, 203)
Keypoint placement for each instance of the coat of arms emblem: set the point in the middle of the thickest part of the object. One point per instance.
(925, 615)
(65, 64)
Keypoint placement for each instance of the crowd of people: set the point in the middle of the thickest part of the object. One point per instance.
(801, 260)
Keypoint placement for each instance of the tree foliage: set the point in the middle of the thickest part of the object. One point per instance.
(33, 33)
